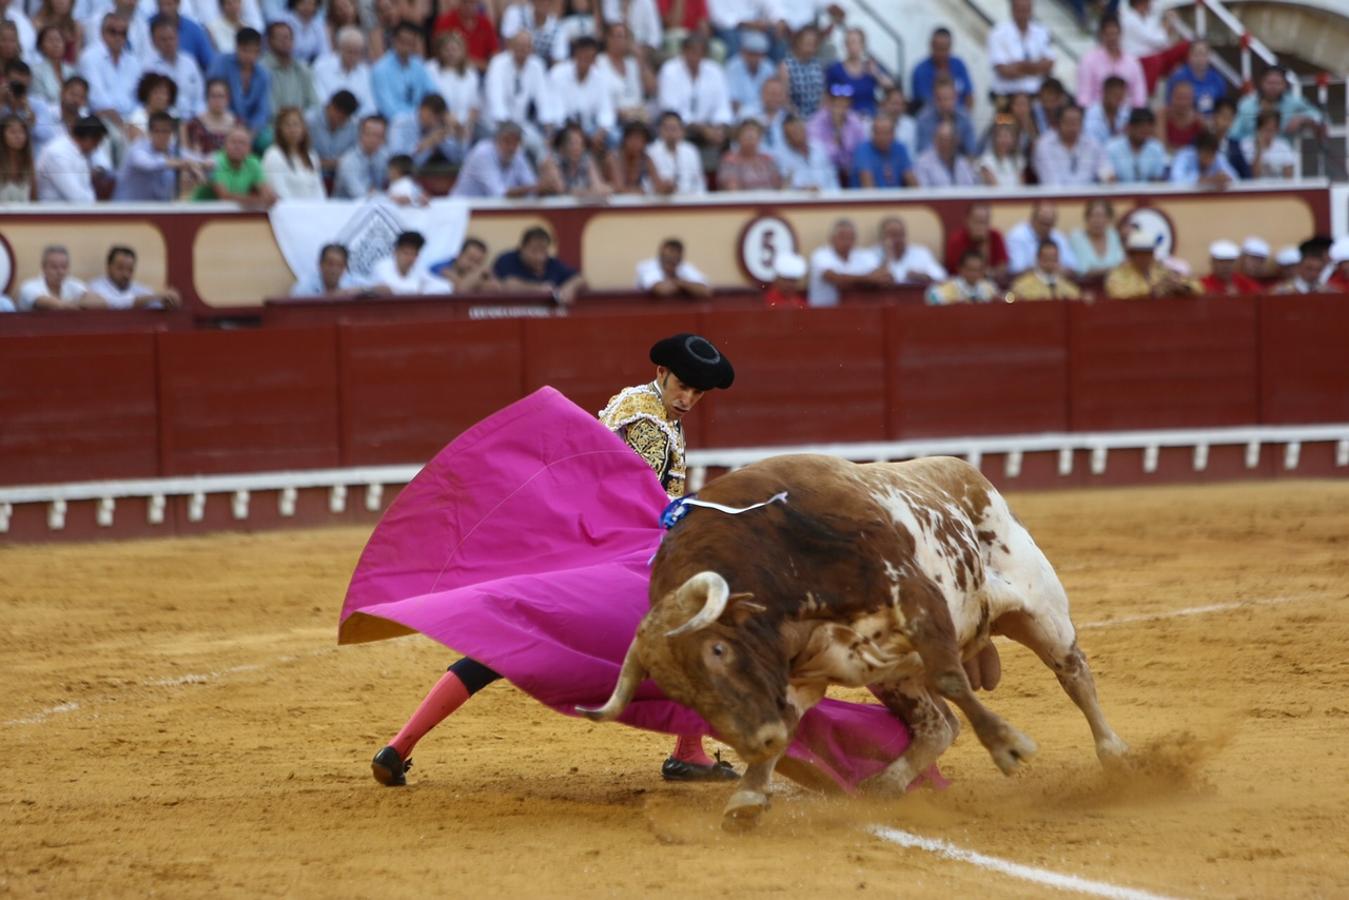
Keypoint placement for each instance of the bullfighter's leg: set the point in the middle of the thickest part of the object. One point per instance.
(1056, 645)
(464, 679)
(932, 727)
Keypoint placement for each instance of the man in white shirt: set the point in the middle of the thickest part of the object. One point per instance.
(515, 89)
(12, 10)
(1020, 52)
(1025, 238)
(331, 278)
(581, 92)
(676, 166)
(117, 289)
(400, 272)
(62, 169)
(906, 263)
(669, 275)
(54, 288)
(841, 265)
(113, 72)
(695, 88)
(640, 16)
(346, 70)
(168, 60)
(729, 16)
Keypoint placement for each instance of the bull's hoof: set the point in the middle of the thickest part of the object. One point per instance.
(1015, 749)
(743, 811)
(1113, 754)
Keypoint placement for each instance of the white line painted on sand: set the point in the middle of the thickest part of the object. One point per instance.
(45, 714)
(947, 850)
(1191, 611)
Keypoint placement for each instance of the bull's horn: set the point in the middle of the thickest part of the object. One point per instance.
(631, 675)
(715, 593)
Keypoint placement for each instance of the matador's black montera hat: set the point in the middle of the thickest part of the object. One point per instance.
(694, 361)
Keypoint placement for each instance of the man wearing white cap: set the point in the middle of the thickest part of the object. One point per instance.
(785, 290)
(1339, 265)
(1287, 261)
(1306, 278)
(1223, 278)
(1141, 275)
(1254, 261)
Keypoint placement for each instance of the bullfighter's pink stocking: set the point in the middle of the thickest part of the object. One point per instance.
(689, 749)
(448, 695)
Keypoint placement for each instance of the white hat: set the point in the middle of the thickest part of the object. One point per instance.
(1177, 265)
(1288, 256)
(1254, 246)
(1339, 251)
(1224, 250)
(1140, 240)
(789, 265)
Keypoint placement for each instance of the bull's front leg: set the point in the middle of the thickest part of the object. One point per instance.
(932, 729)
(750, 800)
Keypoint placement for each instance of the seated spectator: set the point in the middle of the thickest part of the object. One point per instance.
(51, 68)
(1305, 277)
(896, 107)
(745, 167)
(905, 262)
(230, 22)
(403, 187)
(746, 73)
(250, 87)
(1254, 261)
(538, 19)
(205, 134)
(332, 129)
(400, 79)
(117, 289)
(578, 21)
(467, 19)
(1020, 51)
(16, 161)
(1049, 103)
(1150, 35)
(669, 275)
(675, 165)
(401, 274)
(1209, 86)
(180, 68)
(1202, 167)
(1223, 278)
(237, 175)
(345, 69)
(62, 169)
(785, 291)
(1002, 165)
(1181, 120)
(1141, 275)
(531, 270)
(307, 26)
(429, 137)
(882, 162)
(156, 93)
(979, 235)
(570, 170)
(941, 164)
(469, 272)
(54, 288)
(192, 36)
(1068, 158)
(1025, 238)
(1224, 116)
(1108, 117)
(970, 284)
(836, 128)
(290, 165)
(945, 108)
(1274, 93)
(628, 168)
(292, 84)
(859, 71)
(1046, 280)
(16, 99)
(1338, 279)
(1021, 110)
(581, 93)
(1267, 153)
(496, 167)
(642, 18)
(695, 88)
(1286, 262)
(331, 278)
(515, 90)
(803, 163)
(940, 63)
(1096, 246)
(459, 83)
(803, 72)
(1108, 59)
(363, 170)
(152, 165)
(1137, 156)
(111, 70)
(630, 76)
(840, 265)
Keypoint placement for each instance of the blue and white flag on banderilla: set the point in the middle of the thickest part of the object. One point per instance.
(679, 508)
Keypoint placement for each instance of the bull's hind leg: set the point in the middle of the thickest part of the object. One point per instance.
(932, 729)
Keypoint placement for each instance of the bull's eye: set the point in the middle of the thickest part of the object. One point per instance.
(718, 650)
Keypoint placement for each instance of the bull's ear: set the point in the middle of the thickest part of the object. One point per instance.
(741, 606)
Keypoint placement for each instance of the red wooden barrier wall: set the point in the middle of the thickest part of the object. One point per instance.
(1304, 360)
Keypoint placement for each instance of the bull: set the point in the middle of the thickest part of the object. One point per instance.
(893, 576)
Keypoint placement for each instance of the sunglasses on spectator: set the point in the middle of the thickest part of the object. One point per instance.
(115, 32)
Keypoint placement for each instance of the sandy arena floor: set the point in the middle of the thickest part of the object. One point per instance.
(178, 721)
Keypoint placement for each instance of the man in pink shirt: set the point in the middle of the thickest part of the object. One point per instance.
(1105, 59)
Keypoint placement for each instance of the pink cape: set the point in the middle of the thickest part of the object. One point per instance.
(525, 544)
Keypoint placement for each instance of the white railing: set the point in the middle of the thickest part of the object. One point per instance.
(237, 490)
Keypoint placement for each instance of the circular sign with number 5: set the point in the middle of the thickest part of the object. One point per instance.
(764, 239)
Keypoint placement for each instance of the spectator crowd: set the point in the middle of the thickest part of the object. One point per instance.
(254, 100)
